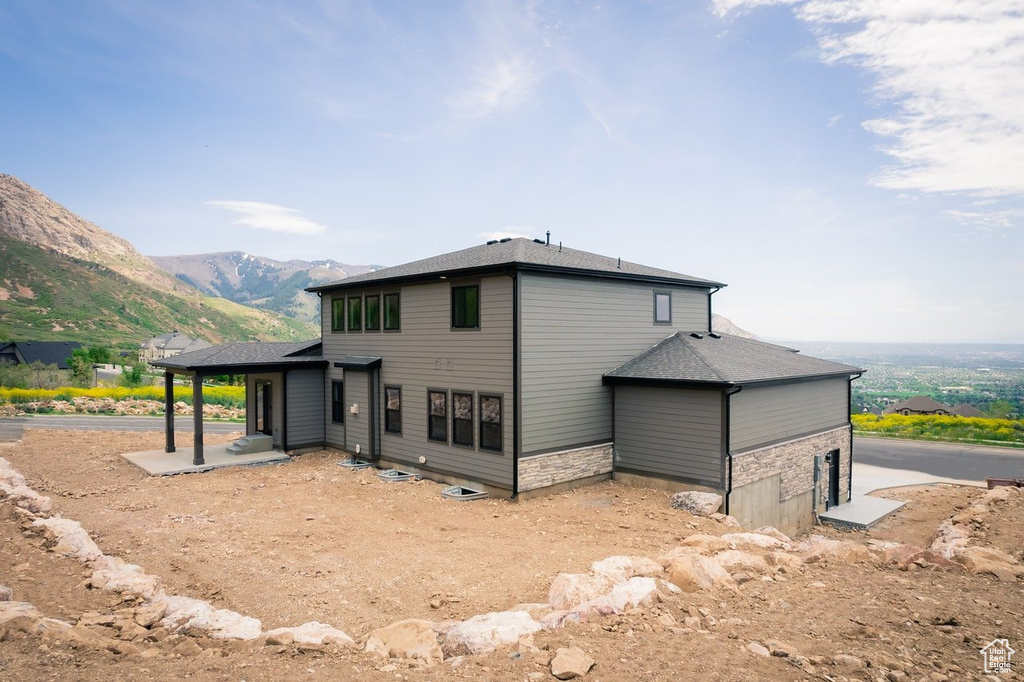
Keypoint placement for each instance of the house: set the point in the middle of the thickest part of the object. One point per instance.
(168, 345)
(966, 410)
(28, 352)
(922, 404)
(522, 367)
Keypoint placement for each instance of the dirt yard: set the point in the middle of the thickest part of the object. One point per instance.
(308, 540)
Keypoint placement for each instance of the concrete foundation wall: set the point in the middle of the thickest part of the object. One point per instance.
(542, 471)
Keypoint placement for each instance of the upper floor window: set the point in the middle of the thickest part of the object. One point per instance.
(355, 314)
(466, 307)
(437, 415)
(338, 314)
(373, 313)
(462, 419)
(392, 312)
(662, 307)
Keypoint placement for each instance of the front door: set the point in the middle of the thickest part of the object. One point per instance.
(264, 408)
(833, 478)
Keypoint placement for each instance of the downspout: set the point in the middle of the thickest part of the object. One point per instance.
(284, 411)
(728, 436)
(710, 294)
(849, 402)
(516, 423)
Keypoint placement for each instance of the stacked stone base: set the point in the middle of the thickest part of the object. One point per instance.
(576, 466)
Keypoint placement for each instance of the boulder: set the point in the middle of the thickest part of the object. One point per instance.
(773, 532)
(485, 633)
(409, 639)
(313, 632)
(17, 616)
(734, 560)
(950, 537)
(705, 543)
(30, 500)
(990, 560)
(571, 663)
(185, 612)
(697, 503)
(569, 590)
(117, 576)
(785, 562)
(148, 614)
(5, 593)
(621, 568)
(9, 476)
(754, 541)
(818, 548)
(693, 572)
(69, 538)
(630, 594)
(759, 649)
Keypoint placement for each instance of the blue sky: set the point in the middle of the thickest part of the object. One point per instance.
(854, 170)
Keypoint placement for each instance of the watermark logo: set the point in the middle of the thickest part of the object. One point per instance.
(997, 656)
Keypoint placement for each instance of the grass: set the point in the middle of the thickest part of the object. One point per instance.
(978, 430)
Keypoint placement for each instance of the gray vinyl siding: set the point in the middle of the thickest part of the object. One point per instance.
(305, 404)
(574, 330)
(669, 432)
(427, 353)
(334, 433)
(357, 426)
(769, 414)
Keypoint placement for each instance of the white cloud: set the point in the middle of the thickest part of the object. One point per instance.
(502, 84)
(261, 216)
(953, 72)
(509, 231)
(833, 120)
(988, 221)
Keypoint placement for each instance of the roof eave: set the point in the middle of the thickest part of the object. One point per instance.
(240, 368)
(691, 383)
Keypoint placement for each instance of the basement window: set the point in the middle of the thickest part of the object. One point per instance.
(393, 409)
(462, 419)
(437, 416)
(490, 423)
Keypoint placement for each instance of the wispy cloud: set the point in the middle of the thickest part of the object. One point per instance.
(499, 85)
(509, 231)
(988, 220)
(261, 216)
(953, 73)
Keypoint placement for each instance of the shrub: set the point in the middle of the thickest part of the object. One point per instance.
(943, 428)
(228, 396)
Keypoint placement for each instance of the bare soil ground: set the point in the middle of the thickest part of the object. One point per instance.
(308, 540)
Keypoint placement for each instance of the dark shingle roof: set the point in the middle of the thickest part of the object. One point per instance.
(47, 352)
(241, 355)
(919, 403)
(524, 253)
(727, 360)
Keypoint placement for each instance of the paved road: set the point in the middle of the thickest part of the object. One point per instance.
(948, 460)
(11, 429)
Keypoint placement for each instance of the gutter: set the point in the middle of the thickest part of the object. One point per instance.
(712, 292)
(849, 402)
(728, 449)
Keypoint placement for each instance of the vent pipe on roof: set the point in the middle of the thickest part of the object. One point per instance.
(619, 266)
(559, 247)
(548, 242)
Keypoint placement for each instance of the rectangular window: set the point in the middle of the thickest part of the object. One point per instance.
(338, 314)
(462, 419)
(437, 415)
(373, 313)
(662, 307)
(393, 409)
(490, 423)
(355, 314)
(392, 312)
(338, 402)
(466, 307)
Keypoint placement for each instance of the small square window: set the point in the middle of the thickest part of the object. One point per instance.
(393, 409)
(437, 416)
(355, 314)
(466, 307)
(338, 314)
(662, 307)
(373, 313)
(392, 312)
(462, 419)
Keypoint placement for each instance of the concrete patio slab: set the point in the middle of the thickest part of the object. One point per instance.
(862, 511)
(160, 463)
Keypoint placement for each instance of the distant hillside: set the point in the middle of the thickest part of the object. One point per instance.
(64, 278)
(726, 326)
(258, 281)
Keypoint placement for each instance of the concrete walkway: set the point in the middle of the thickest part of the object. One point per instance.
(863, 510)
(160, 463)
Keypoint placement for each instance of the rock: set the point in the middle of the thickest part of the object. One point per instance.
(485, 633)
(904, 555)
(781, 649)
(188, 648)
(571, 663)
(949, 538)
(754, 541)
(630, 594)
(759, 649)
(313, 632)
(817, 548)
(17, 616)
(697, 503)
(847, 661)
(536, 611)
(69, 538)
(92, 618)
(734, 560)
(569, 590)
(727, 520)
(185, 612)
(694, 572)
(5, 593)
(409, 639)
(705, 543)
(115, 575)
(667, 620)
(149, 614)
(30, 500)
(621, 568)
(990, 560)
(774, 532)
(282, 637)
(692, 622)
(784, 562)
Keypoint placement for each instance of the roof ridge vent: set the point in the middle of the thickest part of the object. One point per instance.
(492, 241)
(506, 239)
(714, 335)
(538, 241)
(696, 335)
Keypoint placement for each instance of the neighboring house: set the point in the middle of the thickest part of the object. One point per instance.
(965, 410)
(522, 368)
(922, 404)
(47, 352)
(168, 345)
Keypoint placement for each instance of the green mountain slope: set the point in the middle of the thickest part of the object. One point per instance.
(46, 296)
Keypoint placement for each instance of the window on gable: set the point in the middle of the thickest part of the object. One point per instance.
(338, 314)
(338, 402)
(393, 409)
(355, 314)
(490, 423)
(392, 312)
(662, 307)
(462, 419)
(437, 415)
(373, 313)
(466, 307)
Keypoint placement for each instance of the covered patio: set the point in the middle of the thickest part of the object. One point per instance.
(162, 463)
(275, 360)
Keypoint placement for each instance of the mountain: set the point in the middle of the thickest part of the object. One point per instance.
(65, 278)
(726, 326)
(258, 281)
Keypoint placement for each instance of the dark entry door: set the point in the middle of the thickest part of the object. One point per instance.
(264, 408)
(833, 478)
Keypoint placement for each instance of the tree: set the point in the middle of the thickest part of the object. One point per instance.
(80, 366)
(132, 375)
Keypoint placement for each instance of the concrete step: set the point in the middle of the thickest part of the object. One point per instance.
(258, 442)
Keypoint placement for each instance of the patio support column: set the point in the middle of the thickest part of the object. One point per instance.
(197, 420)
(169, 410)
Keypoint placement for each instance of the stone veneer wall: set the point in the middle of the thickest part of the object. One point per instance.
(793, 462)
(541, 471)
